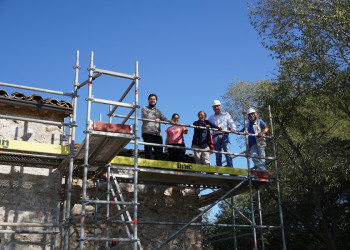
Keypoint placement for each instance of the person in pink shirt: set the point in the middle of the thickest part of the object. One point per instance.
(175, 137)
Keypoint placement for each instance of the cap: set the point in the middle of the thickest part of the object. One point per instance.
(216, 102)
(250, 110)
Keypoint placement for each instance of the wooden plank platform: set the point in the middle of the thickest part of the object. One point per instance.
(102, 148)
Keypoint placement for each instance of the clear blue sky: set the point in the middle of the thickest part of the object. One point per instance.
(188, 51)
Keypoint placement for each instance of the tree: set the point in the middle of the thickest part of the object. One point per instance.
(310, 101)
(313, 156)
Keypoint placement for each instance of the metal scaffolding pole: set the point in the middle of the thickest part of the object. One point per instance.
(108, 191)
(233, 228)
(69, 179)
(97, 183)
(250, 181)
(135, 237)
(277, 183)
(86, 154)
(260, 219)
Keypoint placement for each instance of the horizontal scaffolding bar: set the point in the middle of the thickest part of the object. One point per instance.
(190, 126)
(59, 157)
(203, 150)
(196, 224)
(36, 120)
(110, 239)
(15, 231)
(108, 202)
(36, 89)
(112, 73)
(22, 224)
(120, 104)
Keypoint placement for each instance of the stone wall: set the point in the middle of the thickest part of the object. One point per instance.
(28, 194)
(158, 203)
(27, 131)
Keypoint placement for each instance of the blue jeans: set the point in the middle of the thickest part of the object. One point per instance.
(222, 141)
(260, 152)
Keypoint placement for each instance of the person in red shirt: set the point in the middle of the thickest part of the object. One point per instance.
(175, 137)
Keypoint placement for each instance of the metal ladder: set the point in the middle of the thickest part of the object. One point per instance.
(122, 209)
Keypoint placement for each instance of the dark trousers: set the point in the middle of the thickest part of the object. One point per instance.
(177, 154)
(148, 149)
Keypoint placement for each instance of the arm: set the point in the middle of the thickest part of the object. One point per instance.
(185, 130)
(212, 125)
(264, 129)
(231, 124)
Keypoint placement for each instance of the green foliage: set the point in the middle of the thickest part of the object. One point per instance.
(310, 103)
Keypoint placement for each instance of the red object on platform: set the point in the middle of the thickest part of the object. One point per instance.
(111, 127)
(263, 174)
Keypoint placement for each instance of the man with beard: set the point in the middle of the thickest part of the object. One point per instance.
(151, 129)
(257, 143)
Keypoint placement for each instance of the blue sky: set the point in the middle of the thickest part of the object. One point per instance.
(188, 51)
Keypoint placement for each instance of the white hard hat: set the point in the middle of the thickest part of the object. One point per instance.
(216, 102)
(250, 110)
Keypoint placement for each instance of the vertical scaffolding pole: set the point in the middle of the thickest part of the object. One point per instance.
(250, 180)
(58, 207)
(64, 211)
(233, 223)
(97, 184)
(135, 237)
(71, 154)
(86, 154)
(261, 221)
(108, 191)
(277, 183)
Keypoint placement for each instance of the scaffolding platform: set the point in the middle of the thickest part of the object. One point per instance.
(105, 142)
(180, 173)
(23, 153)
(183, 166)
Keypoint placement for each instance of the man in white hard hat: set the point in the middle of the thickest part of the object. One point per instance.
(257, 143)
(221, 139)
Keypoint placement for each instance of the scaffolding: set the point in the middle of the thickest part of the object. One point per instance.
(95, 159)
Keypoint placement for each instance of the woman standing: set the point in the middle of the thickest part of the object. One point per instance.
(175, 138)
(201, 138)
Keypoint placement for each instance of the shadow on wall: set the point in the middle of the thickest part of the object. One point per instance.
(28, 195)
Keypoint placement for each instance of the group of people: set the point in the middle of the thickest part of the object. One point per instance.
(203, 138)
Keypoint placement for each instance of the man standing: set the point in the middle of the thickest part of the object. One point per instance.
(151, 129)
(257, 143)
(221, 140)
